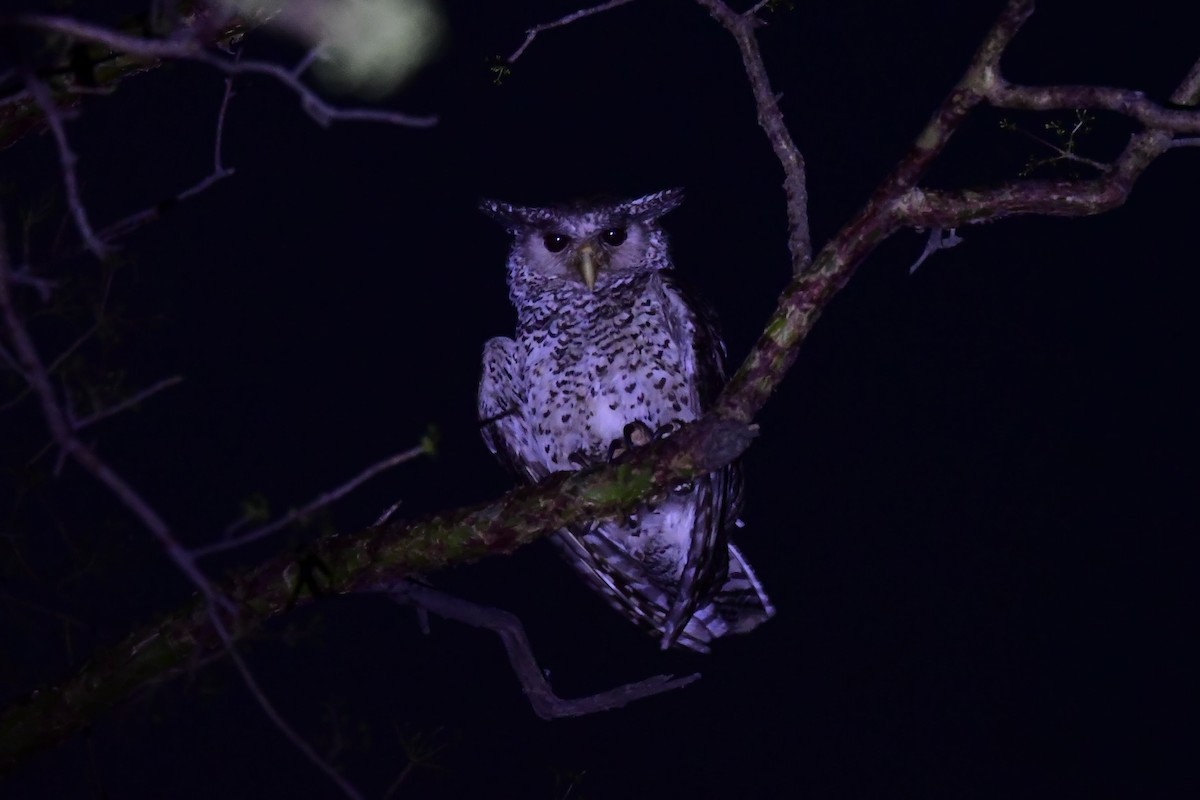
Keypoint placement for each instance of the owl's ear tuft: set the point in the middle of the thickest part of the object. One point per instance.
(516, 218)
(652, 206)
(500, 211)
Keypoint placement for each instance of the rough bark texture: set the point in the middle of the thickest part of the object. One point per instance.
(366, 560)
(90, 68)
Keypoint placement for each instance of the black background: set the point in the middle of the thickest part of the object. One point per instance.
(968, 501)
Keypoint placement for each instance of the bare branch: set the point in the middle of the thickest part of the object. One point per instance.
(546, 704)
(574, 16)
(1127, 102)
(19, 115)
(19, 96)
(289, 733)
(43, 286)
(218, 166)
(303, 64)
(770, 118)
(125, 226)
(127, 403)
(898, 202)
(191, 50)
(60, 428)
(1052, 198)
(64, 435)
(318, 503)
(363, 561)
(1061, 153)
(67, 159)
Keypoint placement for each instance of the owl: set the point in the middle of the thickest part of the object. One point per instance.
(610, 353)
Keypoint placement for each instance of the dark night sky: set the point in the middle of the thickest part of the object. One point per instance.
(968, 500)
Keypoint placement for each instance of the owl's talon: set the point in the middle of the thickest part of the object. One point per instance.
(635, 434)
(638, 434)
(581, 459)
(667, 429)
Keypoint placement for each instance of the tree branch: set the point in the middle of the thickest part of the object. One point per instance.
(132, 222)
(1127, 102)
(929, 208)
(770, 118)
(19, 114)
(314, 505)
(567, 19)
(377, 556)
(192, 50)
(898, 203)
(546, 704)
(67, 159)
(35, 373)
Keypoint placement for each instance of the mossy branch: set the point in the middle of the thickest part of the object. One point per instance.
(375, 557)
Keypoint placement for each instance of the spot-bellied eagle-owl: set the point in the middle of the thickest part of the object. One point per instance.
(609, 352)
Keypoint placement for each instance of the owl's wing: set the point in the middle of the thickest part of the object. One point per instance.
(501, 419)
(717, 496)
(738, 605)
(626, 584)
(694, 320)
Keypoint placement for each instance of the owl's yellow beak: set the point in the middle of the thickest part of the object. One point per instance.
(588, 266)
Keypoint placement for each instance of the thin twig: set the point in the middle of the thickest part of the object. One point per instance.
(298, 741)
(25, 277)
(61, 429)
(9, 361)
(129, 402)
(1126, 102)
(400, 779)
(770, 118)
(1062, 154)
(546, 704)
(191, 50)
(67, 158)
(123, 227)
(317, 503)
(949, 208)
(303, 64)
(574, 16)
(218, 137)
(19, 96)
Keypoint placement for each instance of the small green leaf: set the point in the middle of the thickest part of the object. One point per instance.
(499, 68)
(256, 508)
(431, 440)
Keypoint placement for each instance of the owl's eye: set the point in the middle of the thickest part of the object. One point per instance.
(613, 236)
(555, 242)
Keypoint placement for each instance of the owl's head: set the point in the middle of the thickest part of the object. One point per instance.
(588, 244)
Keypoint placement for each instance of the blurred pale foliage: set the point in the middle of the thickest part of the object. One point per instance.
(368, 47)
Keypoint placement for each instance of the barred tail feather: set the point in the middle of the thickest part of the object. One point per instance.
(739, 606)
(741, 602)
